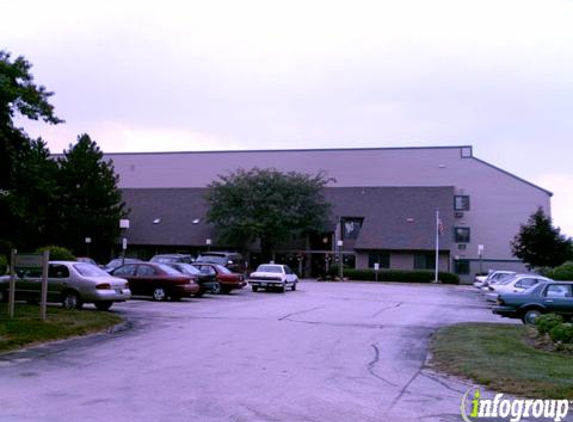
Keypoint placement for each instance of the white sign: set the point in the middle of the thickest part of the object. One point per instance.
(28, 260)
(376, 266)
(124, 243)
(124, 223)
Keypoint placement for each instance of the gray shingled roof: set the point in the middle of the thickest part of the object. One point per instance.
(399, 218)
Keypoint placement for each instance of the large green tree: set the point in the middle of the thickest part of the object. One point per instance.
(20, 96)
(266, 205)
(89, 200)
(540, 244)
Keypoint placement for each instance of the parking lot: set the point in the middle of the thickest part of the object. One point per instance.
(327, 352)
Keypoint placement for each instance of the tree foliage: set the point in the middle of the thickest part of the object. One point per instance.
(18, 95)
(43, 200)
(540, 244)
(90, 202)
(266, 205)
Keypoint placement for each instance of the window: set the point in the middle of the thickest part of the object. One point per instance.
(351, 227)
(146, 271)
(462, 234)
(461, 203)
(462, 266)
(58, 271)
(558, 290)
(126, 270)
(424, 261)
(383, 259)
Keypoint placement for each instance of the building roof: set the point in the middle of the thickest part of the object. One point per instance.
(427, 166)
(398, 218)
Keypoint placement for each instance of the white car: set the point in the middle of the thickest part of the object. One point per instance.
(515, 284)
(492, 277)
(273, 276)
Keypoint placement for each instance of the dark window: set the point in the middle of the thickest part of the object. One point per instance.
(462, 234)
(351, 227)
(461, 203)
(424, 261)
(381, 258)
(146, 271)
(462, 266)
(58, 271)
(126, 270)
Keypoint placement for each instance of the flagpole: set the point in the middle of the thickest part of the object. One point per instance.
(437, 245)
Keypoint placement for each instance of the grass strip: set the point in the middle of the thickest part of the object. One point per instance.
(498, 356)
(27, 328)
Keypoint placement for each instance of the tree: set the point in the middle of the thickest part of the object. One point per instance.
(539, 244)
(90, 202)
(19, 95)
(266, 205)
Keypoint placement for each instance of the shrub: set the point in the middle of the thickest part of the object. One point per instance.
(3, 264)
(562, 333)
(369, 274)
(545, 323)
(563, 272)
(58, 253)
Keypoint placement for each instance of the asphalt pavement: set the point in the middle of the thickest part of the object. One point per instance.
(331, 352)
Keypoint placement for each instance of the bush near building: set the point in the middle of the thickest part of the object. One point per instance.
(396, 275)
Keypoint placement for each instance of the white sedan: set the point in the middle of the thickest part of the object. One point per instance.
(273, 276)
(515, 284)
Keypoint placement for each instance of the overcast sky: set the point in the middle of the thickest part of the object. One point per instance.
(219, 75)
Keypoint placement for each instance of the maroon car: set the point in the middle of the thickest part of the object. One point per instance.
(226, 278)
(159, 281)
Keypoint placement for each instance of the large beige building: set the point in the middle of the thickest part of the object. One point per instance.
(384, 203)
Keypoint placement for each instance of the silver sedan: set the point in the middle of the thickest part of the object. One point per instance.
(73, 283)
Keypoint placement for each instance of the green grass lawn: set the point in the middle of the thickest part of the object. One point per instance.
(499, 357)
(27, 328)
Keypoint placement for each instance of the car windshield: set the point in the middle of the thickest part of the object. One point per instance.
(169, 270)
(187, 269)
(89, 270)
(269, 269)
(214, 259)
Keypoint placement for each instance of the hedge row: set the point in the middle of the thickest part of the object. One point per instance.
(395, 275)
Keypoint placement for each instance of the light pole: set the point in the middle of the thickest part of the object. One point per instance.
(480, 255)
(123, 225)
(88, 241)
(339, 244)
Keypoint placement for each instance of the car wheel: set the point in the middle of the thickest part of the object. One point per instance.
(103, 306)
(293, 288)
(159, 294)
(71, 300)
(216, 290)
(255, 288)
(530, 316)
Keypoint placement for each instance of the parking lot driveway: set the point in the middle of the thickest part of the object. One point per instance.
(331, 352)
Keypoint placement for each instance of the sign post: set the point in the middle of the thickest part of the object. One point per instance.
(30, 263)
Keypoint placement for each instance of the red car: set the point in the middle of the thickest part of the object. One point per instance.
(226, 278)
(159, 281)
